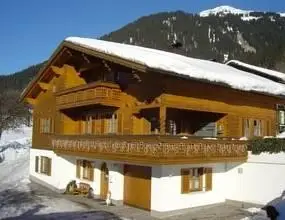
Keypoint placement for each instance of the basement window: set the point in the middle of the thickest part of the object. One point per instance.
(84, 170)
(196, 179)
(43, 165)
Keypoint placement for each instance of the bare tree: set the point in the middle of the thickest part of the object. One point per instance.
(12, 112)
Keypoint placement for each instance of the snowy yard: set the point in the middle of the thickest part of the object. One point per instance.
(20, 199)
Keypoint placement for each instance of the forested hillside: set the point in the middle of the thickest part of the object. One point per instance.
(220, 34)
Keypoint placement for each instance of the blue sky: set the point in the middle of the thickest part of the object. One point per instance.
(32, 29)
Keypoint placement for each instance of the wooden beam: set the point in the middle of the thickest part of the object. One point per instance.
(88, 66)
(85, 58)
(57, 70)
(44, 86)
(107, 66)
(30, 101)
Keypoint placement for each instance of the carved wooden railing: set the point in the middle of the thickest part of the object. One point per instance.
(151, 149)
(94, 93)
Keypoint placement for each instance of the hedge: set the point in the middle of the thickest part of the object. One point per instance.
(267, 145)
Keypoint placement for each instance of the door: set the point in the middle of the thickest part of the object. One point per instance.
(137, 186)
(104, 181)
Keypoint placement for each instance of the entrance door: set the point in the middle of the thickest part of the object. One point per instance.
(137, 186)
(104, 181)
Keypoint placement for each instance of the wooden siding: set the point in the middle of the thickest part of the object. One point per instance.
(142, 97)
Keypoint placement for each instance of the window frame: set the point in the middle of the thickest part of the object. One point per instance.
(257, 127)
(84, 170)
(43, 165)
(46, 125)
(203, 177)
(280, 116)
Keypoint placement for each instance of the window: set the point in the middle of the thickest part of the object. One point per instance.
(88, 125)
(84, 170)
(46, 125)
(46, 165)
(246, 129)
(281, 117)
(112, 123)
(254, 127)
(257, 128)
(100, 123)
(196, 179)
(43, 165)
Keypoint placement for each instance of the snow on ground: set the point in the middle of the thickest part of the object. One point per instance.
(183, 66)
(21, 199)
(224, 9)
(256, 214)
(281, 135)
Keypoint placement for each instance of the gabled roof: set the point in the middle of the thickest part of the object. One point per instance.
(267, 73)
(146, 59)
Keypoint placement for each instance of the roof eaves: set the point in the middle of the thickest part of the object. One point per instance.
(41, 72)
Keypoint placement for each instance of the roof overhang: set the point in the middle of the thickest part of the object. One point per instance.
(115, 59)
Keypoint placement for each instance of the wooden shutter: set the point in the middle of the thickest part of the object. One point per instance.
(49, 166)
(41, 125)
(209, 174)
(37, 164)
(42, 164)
(200, 173)
(185, 181)
(91, 171)
(78, 166)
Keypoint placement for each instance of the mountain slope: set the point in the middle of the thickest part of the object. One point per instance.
(19, 80)
(256, 41)
(221, 33)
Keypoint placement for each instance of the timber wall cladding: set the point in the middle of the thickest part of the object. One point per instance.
(171, 91)
(46, 107)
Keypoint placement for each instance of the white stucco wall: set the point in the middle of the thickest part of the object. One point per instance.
(63, 170)
(260, 180)
(166, 188)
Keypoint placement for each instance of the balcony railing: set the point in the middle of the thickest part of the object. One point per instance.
(96, 93)
(151, 148)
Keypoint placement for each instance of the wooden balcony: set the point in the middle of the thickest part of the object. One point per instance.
(102, 93)
(151, 149)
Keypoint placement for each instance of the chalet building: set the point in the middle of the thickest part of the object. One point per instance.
(157, 130)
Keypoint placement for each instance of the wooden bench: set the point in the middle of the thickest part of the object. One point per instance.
(83, 188)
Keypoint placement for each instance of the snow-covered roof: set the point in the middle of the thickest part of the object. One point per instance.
(266, 72)
(184, 66)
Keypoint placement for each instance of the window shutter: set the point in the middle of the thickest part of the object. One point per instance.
(91, 172)
(52, 125)
(185, 181)
(42, 165)
(200, 173)
(78, 168)
(37, 164)
(41, 125)
(49, 166)
(209, 172)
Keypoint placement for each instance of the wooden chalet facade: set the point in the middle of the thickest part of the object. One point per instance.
(120, 126)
